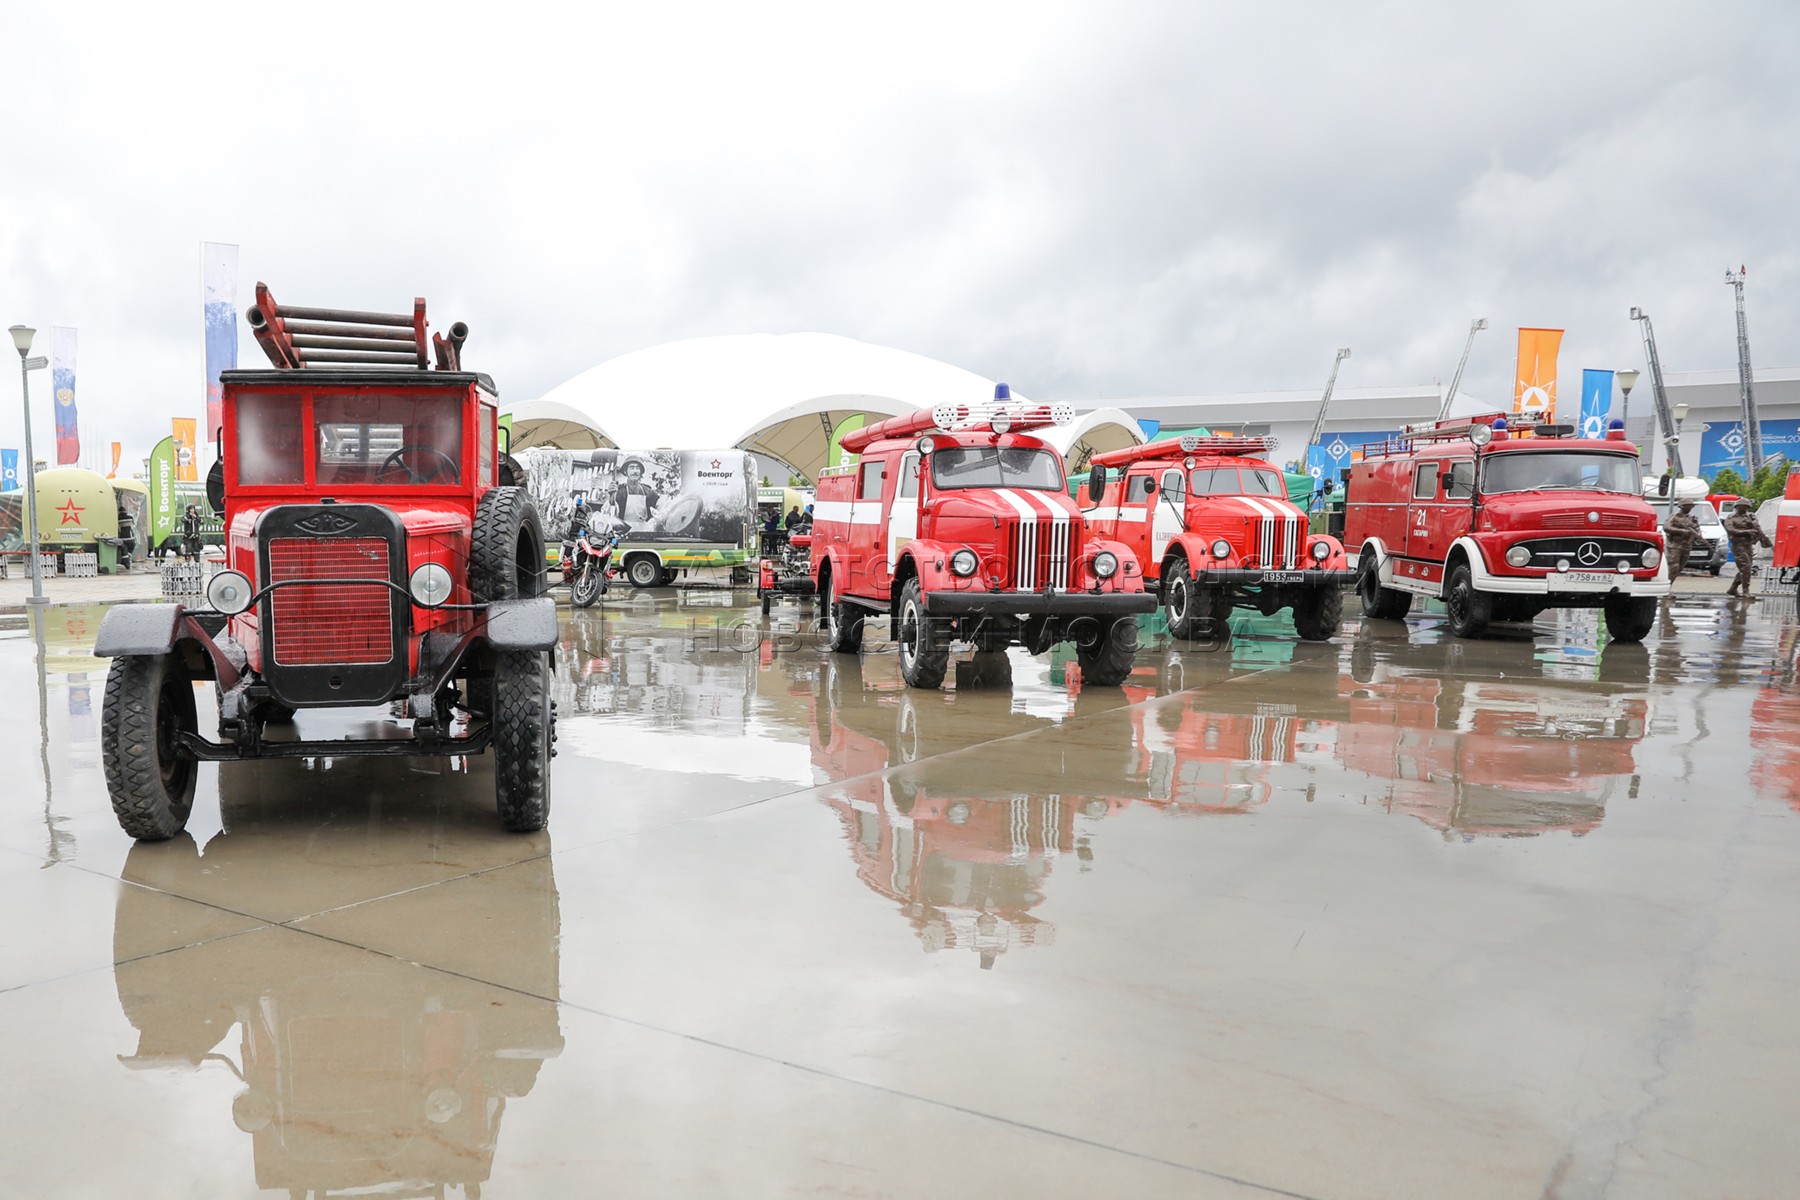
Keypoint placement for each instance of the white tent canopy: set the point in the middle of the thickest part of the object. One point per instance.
(776, 394)
(547, 423)
(1093, 433)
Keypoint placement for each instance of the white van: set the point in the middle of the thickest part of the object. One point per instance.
(1713, 552)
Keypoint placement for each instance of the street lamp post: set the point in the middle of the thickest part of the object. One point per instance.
(1681, 412)
(1627, 380)
(21, 336)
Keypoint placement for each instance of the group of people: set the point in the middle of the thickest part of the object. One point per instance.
(1683, 529)
(777, 529)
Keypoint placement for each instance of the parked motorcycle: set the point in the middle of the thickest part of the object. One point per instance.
(588, 568)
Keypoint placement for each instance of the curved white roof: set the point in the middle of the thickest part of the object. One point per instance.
(776, 394)
(1094, 433)
(547, 423)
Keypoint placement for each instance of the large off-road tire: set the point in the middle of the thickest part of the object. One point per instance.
(506, 551)
(524, 724)
(149, 700)
(1319, 612)
(586, 588)
(843, 623)
(1469, 610)
(1184, 601)
(924, 651)
(643, 571)
(1106, 647)
(1379, 603)
(1629, 618)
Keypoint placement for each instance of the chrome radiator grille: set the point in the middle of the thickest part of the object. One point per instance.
(1040, 555)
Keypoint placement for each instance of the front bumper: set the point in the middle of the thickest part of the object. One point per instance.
(1562, 593)
(1308, 577)
(1038, 604)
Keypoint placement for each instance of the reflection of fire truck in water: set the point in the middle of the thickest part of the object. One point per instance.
(385, 1078)
(1775, 767)
(1488, 757)
(1193, 760)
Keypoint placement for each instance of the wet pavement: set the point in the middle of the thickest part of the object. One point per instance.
(1393, 916)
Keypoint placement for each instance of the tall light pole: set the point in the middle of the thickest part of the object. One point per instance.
(21, 336)
(1627, 380)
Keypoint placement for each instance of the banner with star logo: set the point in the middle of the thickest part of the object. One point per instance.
(1535, 392)
(9, 470)
(62, 387)
(1596, 402)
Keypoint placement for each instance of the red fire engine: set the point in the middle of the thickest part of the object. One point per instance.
(1786, 559)
(956, 523)
(1212, 524)
(1502, 527)
(379, 552)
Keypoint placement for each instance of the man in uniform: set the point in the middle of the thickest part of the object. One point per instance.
(1680, 532)
(1746, 535)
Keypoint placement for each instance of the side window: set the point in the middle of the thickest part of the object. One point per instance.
(869, 485)
(484, 417)
(1173, 490)
(909, 476)
(1425, 481)
(1462, 480)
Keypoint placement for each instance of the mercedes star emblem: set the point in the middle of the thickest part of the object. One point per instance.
(1589, 554)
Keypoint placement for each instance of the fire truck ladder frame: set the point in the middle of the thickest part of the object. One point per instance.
(295, 338)
(1665, 416)
(1185, 446)
(1753, 451)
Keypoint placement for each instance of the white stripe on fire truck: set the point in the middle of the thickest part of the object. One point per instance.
(848, 512)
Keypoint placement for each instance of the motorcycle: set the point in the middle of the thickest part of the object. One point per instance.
(587, 570)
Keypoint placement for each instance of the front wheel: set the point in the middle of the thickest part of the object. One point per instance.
(1380, 603)
(1184, 603)
(924, 655)
(1469, 609)
(1629, 618)
(1318, 613)
(586, 588)
(1106, 649)
(843, 622)
(524, 724)
(150, 778)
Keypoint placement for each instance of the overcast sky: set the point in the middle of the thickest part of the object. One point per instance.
(1097, 200)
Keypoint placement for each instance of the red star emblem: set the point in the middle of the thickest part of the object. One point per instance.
(715, 465)
(71, 512)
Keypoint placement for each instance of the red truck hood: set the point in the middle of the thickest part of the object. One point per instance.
(1008, 504)
(1589, 512)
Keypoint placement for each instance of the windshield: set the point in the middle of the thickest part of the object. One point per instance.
(1235, 481)
(1703, 513)
(390, 440)
(1573, 470)
(991, 466)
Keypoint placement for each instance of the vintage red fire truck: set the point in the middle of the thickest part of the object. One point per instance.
(1785, 560)
(378, 553)
(1503, 527)
(957, 523)
(1210, 520)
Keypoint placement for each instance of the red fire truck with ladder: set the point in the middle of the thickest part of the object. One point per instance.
(1501, 527)
(1210, 520)
(957, 523)
(379, 552)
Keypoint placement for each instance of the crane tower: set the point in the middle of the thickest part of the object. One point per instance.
(1753, 455)
(1475, 327)
(1318, 429)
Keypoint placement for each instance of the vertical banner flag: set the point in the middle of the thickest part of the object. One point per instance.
(1596, 401)
(218, 285)
(9, 470)
(162, 491)
(62, 386)
(186, 465)
(1535, 393)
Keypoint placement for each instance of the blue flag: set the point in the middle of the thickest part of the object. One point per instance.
(1596, 402)
(9, 470)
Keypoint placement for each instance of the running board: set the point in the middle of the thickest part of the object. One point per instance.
(208, 751)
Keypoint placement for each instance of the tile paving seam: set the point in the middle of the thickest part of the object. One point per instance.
(712, 1043)
(136, 958)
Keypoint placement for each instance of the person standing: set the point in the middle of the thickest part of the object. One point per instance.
(793, 518)
(634, 499)
(190, 532)
(1681, 531)
(1746, 535)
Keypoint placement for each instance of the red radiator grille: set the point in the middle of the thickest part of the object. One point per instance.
(330, 624)
(1578, 520)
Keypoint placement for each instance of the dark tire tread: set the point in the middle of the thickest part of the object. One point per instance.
(146, 805)
(524, 725)
(506, 550)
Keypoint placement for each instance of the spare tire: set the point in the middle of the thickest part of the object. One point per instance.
(506, 551)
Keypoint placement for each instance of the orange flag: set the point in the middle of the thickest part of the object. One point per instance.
(187, 455)
(118, 450)
(1535, 393)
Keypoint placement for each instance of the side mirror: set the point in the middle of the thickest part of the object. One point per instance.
(1149, 487)
(1663, 484)
(215, 486)
(1446, 482)
(1096, 484)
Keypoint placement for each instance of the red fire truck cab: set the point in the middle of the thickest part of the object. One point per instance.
(378, 553)
(1786, 559)
(957, 523)
(1212, 524)
(1502, 527)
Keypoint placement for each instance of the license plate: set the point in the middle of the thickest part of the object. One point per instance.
(1281, 577)
(1590, 578)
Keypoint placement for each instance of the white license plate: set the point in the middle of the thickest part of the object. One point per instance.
(1281, 577)
(1591, 578)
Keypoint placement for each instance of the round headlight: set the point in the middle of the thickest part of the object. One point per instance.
(1221, 549)
(957, 814)
(1624, 566)
(1652, 556)
(429, 585)
(1519, 556)
(1106, 564)
(1001, 423)
(1562, 564)
(229, 592)
(1321, 551)
(965, 563)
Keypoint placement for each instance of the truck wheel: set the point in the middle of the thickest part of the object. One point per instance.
(1184, 601)
(924, 656)
(843, 623)
(149, 701)
(1469, 610)
(765, 604)
(586, 588)
(1106, 650)
(1629, 618)
(1380, 603)
(1318, 613)
(524, 724)
(506, 550)
(643, 571)
(1715, 569)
